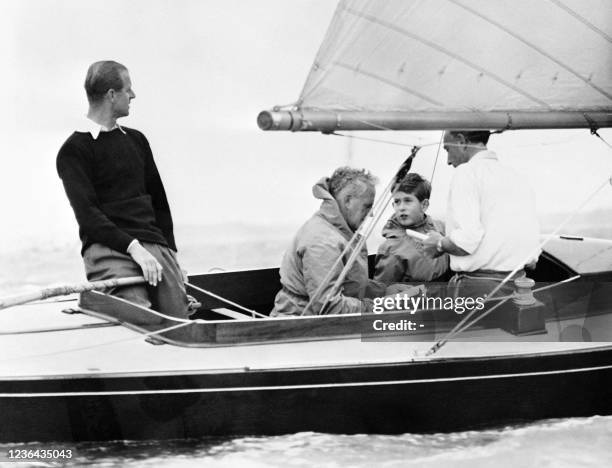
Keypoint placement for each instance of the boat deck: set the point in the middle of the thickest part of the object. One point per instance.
(50, 343)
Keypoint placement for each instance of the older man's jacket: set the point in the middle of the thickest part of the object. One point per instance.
(312, 255)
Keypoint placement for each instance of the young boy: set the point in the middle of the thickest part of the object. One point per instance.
(400, 258)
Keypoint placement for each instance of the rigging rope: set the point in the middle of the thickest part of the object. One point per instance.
(396, 143)
(502, 300)
(433, 171)
(253, 313)
(106, 343)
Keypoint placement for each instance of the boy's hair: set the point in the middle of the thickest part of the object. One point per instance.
(414, 184)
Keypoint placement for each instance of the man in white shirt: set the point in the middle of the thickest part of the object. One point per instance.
(491, 222)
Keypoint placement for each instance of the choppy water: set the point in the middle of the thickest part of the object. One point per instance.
(577, 442)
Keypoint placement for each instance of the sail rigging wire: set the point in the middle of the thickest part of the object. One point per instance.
(506, 298)
(543, 288)
(435, 143)
(254, 313)
(106, 343)
(566, 67)
(439, 48)
(376, 140)
(86, 326)
(571, 216)
(433, 171)
(502, 300)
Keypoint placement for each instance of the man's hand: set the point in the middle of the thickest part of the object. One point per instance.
(151, 269)
(430, 245)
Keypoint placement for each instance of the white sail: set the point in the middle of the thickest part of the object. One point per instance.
(483, 61)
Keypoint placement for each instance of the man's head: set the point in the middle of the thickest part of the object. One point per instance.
(353, 190)
(411, 199)
(108, 84)
(461, 145)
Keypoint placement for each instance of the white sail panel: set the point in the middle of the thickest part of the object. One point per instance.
(464, 55)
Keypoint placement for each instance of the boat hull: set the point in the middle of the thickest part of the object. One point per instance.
(421, 396)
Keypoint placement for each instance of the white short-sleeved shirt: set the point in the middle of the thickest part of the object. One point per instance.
(491, 215)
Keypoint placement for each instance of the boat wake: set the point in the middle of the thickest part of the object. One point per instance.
(561, 443)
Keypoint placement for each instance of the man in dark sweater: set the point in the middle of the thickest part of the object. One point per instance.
(118, 198)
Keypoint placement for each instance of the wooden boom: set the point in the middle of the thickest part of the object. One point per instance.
(68, 289)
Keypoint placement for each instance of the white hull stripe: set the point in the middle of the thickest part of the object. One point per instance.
(298, 387)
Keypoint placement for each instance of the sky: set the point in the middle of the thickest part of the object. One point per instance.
(202, 70)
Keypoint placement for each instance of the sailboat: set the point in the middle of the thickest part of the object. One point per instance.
(93, 369)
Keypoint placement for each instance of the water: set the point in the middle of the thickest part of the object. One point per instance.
(577, 442)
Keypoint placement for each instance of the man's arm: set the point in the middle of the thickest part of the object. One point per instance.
(155, 188)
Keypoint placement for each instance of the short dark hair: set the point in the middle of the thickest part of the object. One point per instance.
(344, 176)
(414, 184)
(102, 76)
(474, 136)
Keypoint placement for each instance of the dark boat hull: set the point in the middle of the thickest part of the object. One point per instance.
(427, 396)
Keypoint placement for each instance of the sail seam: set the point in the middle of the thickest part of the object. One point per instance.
(582, 19)
(445, 51)
(388, 82)
(533, 46)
